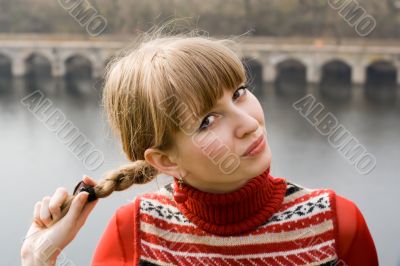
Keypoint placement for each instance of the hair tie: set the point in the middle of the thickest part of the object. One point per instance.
(81, 186)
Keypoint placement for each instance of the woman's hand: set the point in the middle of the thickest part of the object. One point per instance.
(49, 234)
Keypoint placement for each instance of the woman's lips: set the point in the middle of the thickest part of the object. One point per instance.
(256, 147)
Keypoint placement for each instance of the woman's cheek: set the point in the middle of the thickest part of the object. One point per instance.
(256, 109)
(216, 149)
(196, 149)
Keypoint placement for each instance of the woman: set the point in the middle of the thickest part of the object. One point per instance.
(181, 106)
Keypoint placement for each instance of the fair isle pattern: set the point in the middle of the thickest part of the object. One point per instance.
(302, 232)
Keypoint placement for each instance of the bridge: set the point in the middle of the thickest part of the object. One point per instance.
(285, 62)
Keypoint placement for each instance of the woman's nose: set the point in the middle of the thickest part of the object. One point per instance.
(245, 123)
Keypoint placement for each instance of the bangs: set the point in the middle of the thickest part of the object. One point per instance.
(198, 73)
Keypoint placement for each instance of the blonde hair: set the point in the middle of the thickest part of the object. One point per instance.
(138, 91)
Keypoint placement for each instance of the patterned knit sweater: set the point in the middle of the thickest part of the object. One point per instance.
(269, 221)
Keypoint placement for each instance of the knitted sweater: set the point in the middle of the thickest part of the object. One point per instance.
(268, 221)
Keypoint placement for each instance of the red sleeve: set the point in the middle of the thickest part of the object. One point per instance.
(116, 246)
(355, 243)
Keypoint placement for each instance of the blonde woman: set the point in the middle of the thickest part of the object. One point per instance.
(181, 106)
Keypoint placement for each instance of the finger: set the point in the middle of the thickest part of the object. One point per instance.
(77, 205)
(59, 196)
(36, 214)
(87, 209)
(45, 215)
(89, 181)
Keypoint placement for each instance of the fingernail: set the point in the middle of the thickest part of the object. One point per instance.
(83, 178)
(84, 197)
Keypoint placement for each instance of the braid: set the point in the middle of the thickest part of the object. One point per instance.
(139, 172)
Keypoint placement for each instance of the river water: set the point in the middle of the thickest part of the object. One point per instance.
(35, 161)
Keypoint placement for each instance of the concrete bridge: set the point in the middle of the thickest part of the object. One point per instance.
(19, 57)
(313, 62)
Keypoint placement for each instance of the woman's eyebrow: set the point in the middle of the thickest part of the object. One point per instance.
(218, 102)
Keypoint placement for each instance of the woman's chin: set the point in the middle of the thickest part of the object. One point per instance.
(256, 167)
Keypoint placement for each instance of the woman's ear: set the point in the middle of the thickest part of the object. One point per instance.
(162, 161)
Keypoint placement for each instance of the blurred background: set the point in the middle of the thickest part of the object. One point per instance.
(341, 57)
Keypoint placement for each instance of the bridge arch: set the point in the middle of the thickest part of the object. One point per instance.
(5, 66)
(254, 72)
(37, 65)
(291, 76)
(381, 80)
(78, 66)
(336, 79)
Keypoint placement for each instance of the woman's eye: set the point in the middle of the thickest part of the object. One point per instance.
(239, 92)
(204, 125)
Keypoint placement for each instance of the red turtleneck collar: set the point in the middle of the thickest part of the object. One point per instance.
(234, 212)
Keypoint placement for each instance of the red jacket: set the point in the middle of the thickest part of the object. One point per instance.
(355, 244)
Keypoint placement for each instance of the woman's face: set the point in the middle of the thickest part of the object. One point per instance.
(235, 122)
